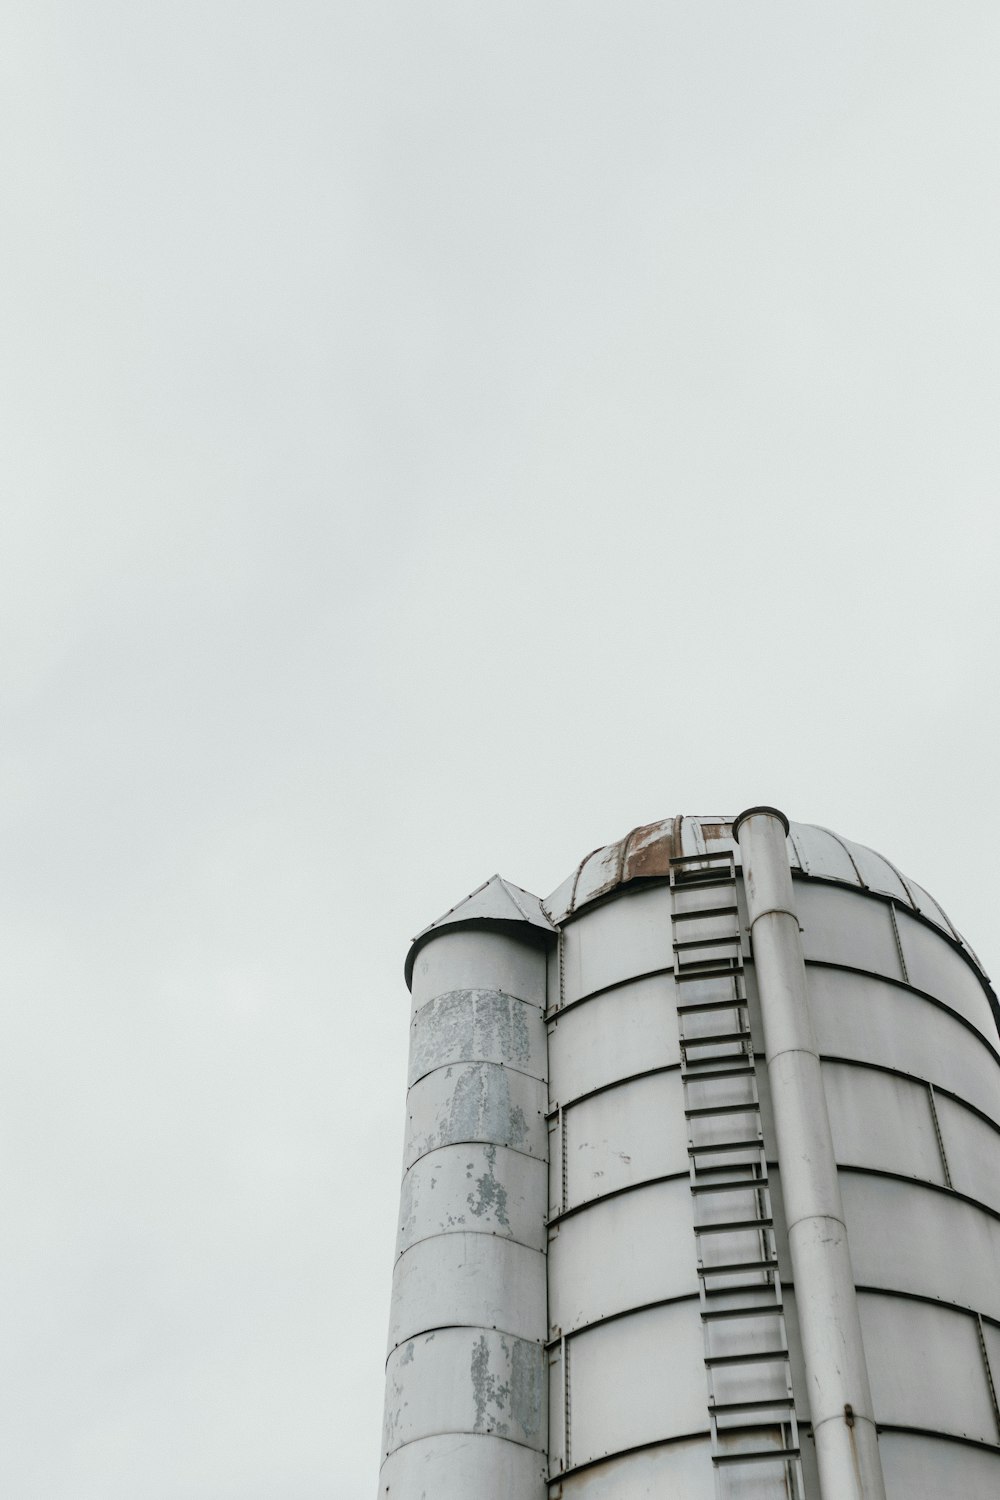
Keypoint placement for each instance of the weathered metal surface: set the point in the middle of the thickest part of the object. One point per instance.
(458, 1466)
(936, 967)
(622, 1254)
(845, 927)
(623, 1031)
(836, 1371)
(972, 1146)
(624, 1135)
(470, 1281)
(480, 1189)
(910, 1238)
(465, 1380)
(476, 1102)
(462, 959)
(882, 1122)
(916, 1352)
(927, 1468)
(645, 853)
(867, 1019)
(674, 1469)
(636, 1380)
(475, 1025)
(497, 904)
(617, 942)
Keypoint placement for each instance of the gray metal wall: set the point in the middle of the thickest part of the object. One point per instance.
(546, 1336)
(465, 1410)
(912, 1078)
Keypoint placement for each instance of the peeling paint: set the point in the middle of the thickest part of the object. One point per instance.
(466, 1025)
(490, 1195)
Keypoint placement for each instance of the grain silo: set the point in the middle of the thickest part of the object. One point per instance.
(701, 1189)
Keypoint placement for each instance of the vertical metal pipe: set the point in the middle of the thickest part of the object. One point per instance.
(840, 1403)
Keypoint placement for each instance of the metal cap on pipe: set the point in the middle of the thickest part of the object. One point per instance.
(752, 812)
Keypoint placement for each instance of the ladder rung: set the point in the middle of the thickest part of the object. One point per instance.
(763, 1356)
(715, 1039)
(759, 1310)
(730, 1268)
(709, 970)
(690, 1007)
(774, 1403)
(686, 945)
(717, 1147)
(707, 911)
(715, 856)
(756, 1455)
(738, 1185)
(710, 1069)
(701, 1111)
(733, 1225)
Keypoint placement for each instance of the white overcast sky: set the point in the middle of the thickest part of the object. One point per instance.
(435, 439)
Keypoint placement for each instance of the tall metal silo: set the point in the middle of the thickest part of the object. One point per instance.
(701, 1189)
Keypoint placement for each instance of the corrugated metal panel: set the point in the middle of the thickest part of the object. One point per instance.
(471, 1281)
(621, 1032)
(623, 1136)
(913, 1239)
(482, 1189)
(845, 927)
(926, 1368)
(934, 966)
(882, 1121)
(676, 1470)
(466, 1380)
(476, 1102)
(622, 1253)
(477, 1025)
(633, 1381)
(973, 1150)
(862, 1017)
(926, 1468)
(457, 1466)
(618, 941)
(478, 960)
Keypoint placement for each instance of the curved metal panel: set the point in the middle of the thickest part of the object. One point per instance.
(929, 1468)
(861, 1017)
(910, 1238)
(617, 941)
(477, 1188)
(635, 1380)
(623, 1031)
(465, 1380)
(876, 872)
(935, 966)
(973, 1151)
(846, 927)
(456, 1466)
(470, 1281)
(476, 1102)
(477, 1026)
(882, 1121)
(926, 1368)
(676, 1469)
(463, 959)
(822, 854)
(624, 1135)
(622, 1253)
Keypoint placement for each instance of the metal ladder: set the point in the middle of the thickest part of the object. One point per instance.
(751, 1406)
